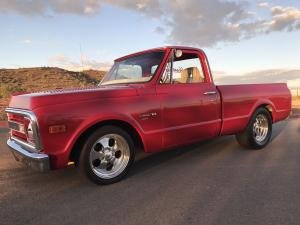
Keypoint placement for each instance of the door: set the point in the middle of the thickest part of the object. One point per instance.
(190, 102)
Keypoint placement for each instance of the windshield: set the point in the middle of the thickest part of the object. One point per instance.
(136, 69)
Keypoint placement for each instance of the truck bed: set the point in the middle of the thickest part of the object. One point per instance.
(240, 101)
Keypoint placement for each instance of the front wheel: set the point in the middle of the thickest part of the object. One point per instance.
(107, 155)
(258, 132)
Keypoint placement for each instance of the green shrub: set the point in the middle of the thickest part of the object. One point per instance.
(6, 90)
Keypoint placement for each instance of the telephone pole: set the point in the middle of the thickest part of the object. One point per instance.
(81, 57)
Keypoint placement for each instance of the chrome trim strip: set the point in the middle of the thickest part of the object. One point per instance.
(24, 144)
(38, 146)
(210, 93)
(37, 161)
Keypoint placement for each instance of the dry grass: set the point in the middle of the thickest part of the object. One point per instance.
(296, 102)
(42, 78)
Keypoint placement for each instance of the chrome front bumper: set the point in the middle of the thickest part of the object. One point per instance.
(36, 161)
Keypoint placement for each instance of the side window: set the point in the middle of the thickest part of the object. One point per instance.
(153, 69)
(184, 69)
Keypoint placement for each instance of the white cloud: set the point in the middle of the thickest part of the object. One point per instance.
(263, 4)
(41, 7)
(159, 30)
(190, 22)
(85, 63)
(84, 7)
(291, 77)
(284, 18)
(205, 23)
(146, 7)
(26, 41)
(25, 7)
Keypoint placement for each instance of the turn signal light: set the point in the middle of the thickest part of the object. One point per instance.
(57, 129)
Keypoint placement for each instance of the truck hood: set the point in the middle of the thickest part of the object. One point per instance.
(60, 96)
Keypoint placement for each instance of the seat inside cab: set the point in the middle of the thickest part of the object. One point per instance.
(191, 75)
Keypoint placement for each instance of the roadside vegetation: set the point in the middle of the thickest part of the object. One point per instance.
(40, 79)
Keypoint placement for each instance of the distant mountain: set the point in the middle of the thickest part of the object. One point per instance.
(291, 77)
(42, 78)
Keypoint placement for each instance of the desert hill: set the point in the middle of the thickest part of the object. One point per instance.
(42, 78)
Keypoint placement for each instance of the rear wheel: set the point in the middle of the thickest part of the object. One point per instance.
(258, 132)
(107, 155)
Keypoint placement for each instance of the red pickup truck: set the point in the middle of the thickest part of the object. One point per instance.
(153, 100)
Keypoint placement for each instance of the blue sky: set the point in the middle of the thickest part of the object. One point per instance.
(239, 38)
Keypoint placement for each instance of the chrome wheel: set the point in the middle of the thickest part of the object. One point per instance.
(109, 156)
(260, 128)
(258, 132)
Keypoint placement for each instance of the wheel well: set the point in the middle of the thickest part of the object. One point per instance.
(75, 152)
(267, 107)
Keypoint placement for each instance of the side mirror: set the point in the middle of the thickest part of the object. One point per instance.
(178, 53)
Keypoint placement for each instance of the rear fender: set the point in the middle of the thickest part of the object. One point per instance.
(263, 103)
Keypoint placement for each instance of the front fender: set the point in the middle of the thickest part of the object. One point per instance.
(77, 119)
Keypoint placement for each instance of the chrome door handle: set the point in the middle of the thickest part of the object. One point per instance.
(210, 93)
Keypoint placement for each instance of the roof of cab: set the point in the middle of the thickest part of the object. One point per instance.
(157, 49)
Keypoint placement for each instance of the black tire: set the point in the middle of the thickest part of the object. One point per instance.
(86, 165)
(248, 138)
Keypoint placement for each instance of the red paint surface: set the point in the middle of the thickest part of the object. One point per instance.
(184, 114)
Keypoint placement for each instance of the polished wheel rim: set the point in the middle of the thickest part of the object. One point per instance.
(260, 128)
(109, 156)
